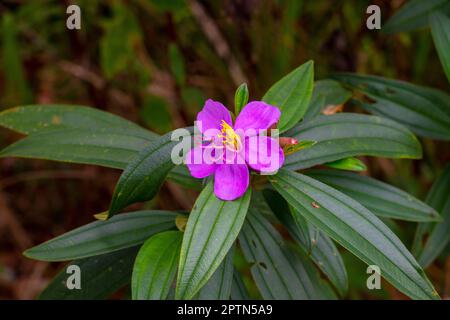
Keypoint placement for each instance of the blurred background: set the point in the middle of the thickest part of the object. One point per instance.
(155, 62)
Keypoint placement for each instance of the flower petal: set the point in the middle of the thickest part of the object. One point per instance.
(211, 117)
(263, 154)
(200, 162)
(257, 115)
(231, 181)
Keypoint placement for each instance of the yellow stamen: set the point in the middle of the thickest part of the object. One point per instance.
(230, 137)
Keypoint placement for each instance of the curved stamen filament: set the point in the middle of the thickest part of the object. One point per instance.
(230, 137)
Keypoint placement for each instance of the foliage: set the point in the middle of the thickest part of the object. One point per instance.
(290, 230)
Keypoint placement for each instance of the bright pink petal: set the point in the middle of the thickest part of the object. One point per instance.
(200, 162)
(263, 154)
(257, 115)
(231, 181)
(211, 116)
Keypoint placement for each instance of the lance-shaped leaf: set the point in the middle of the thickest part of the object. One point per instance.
(81, 134)
(414, 15)
(113, 150)
(279, 273)
(238, 290)
(356, 229)
(144, 175)
(35, 118)
(119, 232)
(380, 198)
(240, 98)
(423, 110)
(440, 28)
(319, 248)
(347, 135)
(107, 149)
(212, 228)
(218, 286)
(432, 238)
(155, 266)
(101, 276)
(292, 95)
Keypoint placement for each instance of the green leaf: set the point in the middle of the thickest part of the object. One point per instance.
(240, 98)
(432, 238)
(81, 134)
(238, 290)
(356, 229)
(278, 272)
(320, 249)
(380, 198)
(144, 175)
(414, 15)
(114, 150)
(423, 110)
(218, 286)
(155, 266)
(348, 135)
(101, 276)
(177, 64)
(326, 92)
(34, 118)
(99, 237)
(212, 228)
(292, 94)
(352, 164)
(440, 29)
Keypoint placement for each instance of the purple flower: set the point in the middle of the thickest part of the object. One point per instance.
(227, 151)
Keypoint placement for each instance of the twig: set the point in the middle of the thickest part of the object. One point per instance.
(17, 231)
(47, 174)
(212, 32)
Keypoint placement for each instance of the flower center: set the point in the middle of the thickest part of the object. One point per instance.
(230, 138)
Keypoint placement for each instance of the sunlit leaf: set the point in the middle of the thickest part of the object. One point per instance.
(352, 164)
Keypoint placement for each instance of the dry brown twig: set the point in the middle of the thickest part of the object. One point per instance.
(212, 32)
